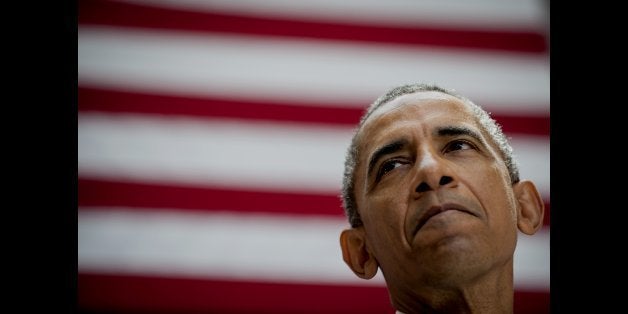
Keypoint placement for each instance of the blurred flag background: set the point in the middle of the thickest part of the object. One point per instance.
(212, 135)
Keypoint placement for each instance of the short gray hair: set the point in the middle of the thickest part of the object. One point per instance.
(489, 124)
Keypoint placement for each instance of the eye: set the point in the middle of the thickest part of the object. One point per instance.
(389, 166)
(458, 145)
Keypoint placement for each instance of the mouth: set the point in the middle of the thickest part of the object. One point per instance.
(435, 210)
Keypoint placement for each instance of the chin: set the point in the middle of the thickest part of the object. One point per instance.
(451, 252)
(458, 236)
(454, 267)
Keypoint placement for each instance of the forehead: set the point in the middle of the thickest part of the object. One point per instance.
(425, 109)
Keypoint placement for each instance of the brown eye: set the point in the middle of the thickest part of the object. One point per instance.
(388, 166)
(458, 145)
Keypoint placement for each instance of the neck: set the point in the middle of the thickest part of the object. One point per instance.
(489, 293)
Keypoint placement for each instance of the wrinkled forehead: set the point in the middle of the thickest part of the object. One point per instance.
(432, 106)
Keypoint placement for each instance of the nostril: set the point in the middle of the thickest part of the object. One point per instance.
(423, 187)
(445, 179)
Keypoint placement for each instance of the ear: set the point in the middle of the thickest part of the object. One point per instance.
(530, 209)
(356, 254)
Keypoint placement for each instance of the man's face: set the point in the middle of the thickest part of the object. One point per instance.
(433, 191)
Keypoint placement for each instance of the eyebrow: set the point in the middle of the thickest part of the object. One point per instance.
(385, 150)
(458, 130)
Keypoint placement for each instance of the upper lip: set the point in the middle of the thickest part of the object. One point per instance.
(437, 209)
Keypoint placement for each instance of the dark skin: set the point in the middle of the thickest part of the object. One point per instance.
(440, 214)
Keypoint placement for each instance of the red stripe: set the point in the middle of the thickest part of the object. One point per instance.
(92, 99)
(136, 294)
(107, 193)
(99, 12)
(152, 196)
(529, 125)
(531, 302)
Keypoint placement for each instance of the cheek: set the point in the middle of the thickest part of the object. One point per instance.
(384, 219)
(388, 202)
(492, 187)
(503, 201)
(384, 210)
(493, 191)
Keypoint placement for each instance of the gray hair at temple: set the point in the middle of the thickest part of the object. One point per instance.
(486, 122)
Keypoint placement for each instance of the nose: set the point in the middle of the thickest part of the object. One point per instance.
(433, 173)
(424, 186)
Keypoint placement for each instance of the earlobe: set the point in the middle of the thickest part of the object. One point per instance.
(530, 209)
(355, 253)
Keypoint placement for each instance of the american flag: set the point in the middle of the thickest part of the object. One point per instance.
(212, 136)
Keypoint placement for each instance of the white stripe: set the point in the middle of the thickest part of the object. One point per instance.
(261, 155)
(532, 260)
(488, 14)
(244, 154)
(533, 155)
(292, 69)
(243, 247)
(216, 245)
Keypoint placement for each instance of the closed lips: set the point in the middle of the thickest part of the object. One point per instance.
(435, 210)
